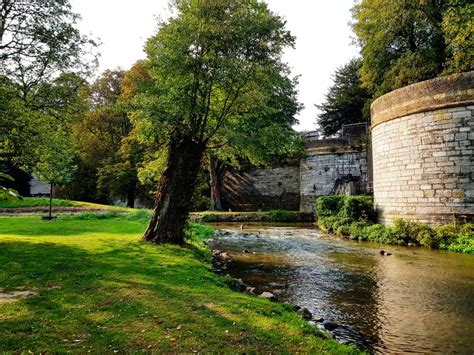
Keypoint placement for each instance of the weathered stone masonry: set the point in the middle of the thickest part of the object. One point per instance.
(331, 165)
(422, 143)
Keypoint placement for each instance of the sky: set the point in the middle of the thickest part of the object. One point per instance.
(323, 39)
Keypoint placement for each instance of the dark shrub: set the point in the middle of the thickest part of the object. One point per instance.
(358, 208)
(327, 206)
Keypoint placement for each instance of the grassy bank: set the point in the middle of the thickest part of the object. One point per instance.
(96, 287)
(257, 216)
(41, 202)
(353, 217)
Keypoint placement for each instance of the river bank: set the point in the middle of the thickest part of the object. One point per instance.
(414, 299)
(86, 283)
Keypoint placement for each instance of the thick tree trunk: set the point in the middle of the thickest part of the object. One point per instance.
(215, 173)
(173, 200)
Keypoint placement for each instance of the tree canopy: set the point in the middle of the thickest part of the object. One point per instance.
(346, 101)
(406, 41)
(215, 67)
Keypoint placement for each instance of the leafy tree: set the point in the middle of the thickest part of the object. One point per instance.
(105, 142)
(260, 138)
(38, 40)
(211, 64)
(55, 159)
(458, 28)
(7, 193)
(346, 101)
(407, 41)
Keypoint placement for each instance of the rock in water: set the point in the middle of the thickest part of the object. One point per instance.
(238, 285)
(330, 325)
(250, 290)
(305, 313)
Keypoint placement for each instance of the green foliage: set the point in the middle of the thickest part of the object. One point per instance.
(346, 101)
(353, 217)
(357, 208)
(423, 40)
(282, 216)
(352, 208)
(7, 193)
(97, 283)
(329, 205)
(38, 40)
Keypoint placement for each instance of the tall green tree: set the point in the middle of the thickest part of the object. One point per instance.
(105, 142)
(210, 65)
(54, 163)
(259, 139)
(406, 41)
(38, 40)
(346, 101)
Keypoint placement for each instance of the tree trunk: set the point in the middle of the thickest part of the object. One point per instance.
(132, 191)
(215, 174)
(177, 184)
(50, 201)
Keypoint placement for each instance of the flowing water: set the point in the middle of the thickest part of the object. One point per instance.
(415, 300)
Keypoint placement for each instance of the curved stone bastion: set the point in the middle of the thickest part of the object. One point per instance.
(422, 146)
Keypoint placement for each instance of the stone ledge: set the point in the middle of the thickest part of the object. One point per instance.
(435, 94)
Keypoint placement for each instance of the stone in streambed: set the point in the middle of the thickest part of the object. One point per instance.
(330, 325)
(304, 313)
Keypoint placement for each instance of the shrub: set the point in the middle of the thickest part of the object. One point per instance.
(417, 233)
(282, 216)
(327, 206)
(358, 208)
(357, 230)
(354, 216)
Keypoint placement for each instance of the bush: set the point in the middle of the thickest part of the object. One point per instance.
(357, 230)
(416, 233)
(327, 206)
(358, 208)
(282, 216)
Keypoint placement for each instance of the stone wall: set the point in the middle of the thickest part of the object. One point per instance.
(422, 146)
(277, 188)
(332, 166)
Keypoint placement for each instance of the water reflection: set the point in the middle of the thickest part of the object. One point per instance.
(416, 300)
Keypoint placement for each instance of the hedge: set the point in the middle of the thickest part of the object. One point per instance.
(354, 217)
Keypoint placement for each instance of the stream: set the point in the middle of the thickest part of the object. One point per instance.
(415, 300)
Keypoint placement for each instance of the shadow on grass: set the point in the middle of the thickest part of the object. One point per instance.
(133, 296)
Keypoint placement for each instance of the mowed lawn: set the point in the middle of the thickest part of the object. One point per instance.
(97, 287)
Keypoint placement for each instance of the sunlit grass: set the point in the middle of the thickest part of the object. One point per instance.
(42, 201)
(99, 288)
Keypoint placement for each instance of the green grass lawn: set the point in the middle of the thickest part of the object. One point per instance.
(99, 288)
(41, 202)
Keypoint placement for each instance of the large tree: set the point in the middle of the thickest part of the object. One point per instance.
(211, 64)
(261, 138)
(105, 143)
(346, 101)
(38, 40)
(406, 41)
